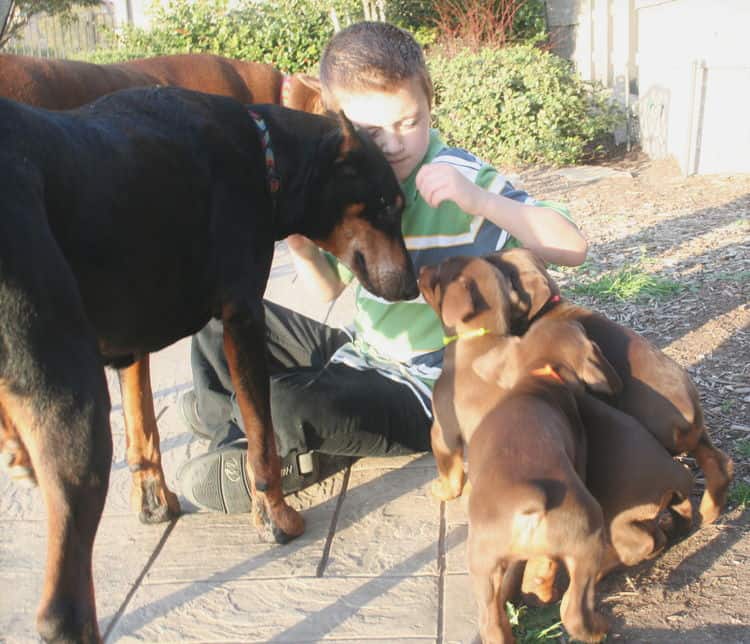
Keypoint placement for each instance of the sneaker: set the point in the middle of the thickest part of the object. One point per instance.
(218, 480)
(188, 406)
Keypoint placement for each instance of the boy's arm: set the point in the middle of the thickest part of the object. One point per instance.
(314, 269)
(538, 228)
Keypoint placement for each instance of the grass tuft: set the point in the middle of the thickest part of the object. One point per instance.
(629, 284)
(739, 494)
(742, 448)
(535, 624)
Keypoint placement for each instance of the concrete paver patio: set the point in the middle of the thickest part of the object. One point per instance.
(380, 560)
(374, 564)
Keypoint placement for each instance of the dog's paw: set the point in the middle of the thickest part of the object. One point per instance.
(280, 522)
(153, 501)
(445, 490)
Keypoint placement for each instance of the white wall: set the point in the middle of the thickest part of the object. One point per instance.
(694, 64)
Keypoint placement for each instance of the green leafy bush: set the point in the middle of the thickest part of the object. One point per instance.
(518, 105)
(289, 34)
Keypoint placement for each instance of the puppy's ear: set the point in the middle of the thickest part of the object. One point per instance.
(597, 373)
(500, 364)
(539, 287)
(428, 285)
(351, 140)
(520, 301)
(458, 303)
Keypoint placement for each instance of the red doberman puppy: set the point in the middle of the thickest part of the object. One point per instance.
(526, 460)
(470, 294)
(125, 226)
(526, 446)
(634, 479)
(656, 390)
(65, 84)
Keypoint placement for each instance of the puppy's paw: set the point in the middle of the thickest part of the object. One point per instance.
(445, 489)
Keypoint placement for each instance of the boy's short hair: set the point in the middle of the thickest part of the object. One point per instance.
(371, 56)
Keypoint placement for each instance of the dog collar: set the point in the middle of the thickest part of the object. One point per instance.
(465, 336)
(549, 304)
(272, 175)
(286, 90)
(547, 370)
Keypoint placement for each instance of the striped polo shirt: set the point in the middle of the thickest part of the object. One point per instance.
(404, 340)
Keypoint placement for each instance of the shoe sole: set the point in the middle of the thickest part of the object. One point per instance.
(217, 481)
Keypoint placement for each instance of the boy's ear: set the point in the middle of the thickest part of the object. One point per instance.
(351, 139)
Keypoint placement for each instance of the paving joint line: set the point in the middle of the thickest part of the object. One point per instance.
(139, 579)
(442, 530)
(334, 522)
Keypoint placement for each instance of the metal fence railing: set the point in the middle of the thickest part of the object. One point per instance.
(89, 28)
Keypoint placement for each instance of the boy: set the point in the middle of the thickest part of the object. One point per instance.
(366, 393)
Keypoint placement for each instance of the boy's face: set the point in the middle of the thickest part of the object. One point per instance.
(398, 121)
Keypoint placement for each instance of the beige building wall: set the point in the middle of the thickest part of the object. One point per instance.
(687, 60)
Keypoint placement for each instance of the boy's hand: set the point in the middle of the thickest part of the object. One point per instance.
(438, 182)
(302, 246)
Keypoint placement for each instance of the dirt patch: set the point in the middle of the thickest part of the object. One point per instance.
(694, 232)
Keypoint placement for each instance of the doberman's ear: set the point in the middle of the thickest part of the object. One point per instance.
(428, 285)
(520, 301)
(539, 287)
(458, 303)
(530, 281)
(500, 364)
(597, 372)
(311, 82)
(351, 140)
(305, 94)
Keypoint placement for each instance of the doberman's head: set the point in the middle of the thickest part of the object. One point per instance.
(359, 208)
(560, 347)
(468, 293)
(530, 281)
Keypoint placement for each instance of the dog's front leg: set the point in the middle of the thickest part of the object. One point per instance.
(149, 496)
(245, 350)
(447, 447)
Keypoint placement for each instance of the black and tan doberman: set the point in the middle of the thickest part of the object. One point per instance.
(128, 224)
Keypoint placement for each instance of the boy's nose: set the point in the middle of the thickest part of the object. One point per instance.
(391, 143)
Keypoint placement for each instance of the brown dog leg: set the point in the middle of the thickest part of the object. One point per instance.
(682, 517)
(578, 609)
(538, 587)
(244, 347)
(149, 496)
(449, 458)
(494, 625)
(718, 470)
